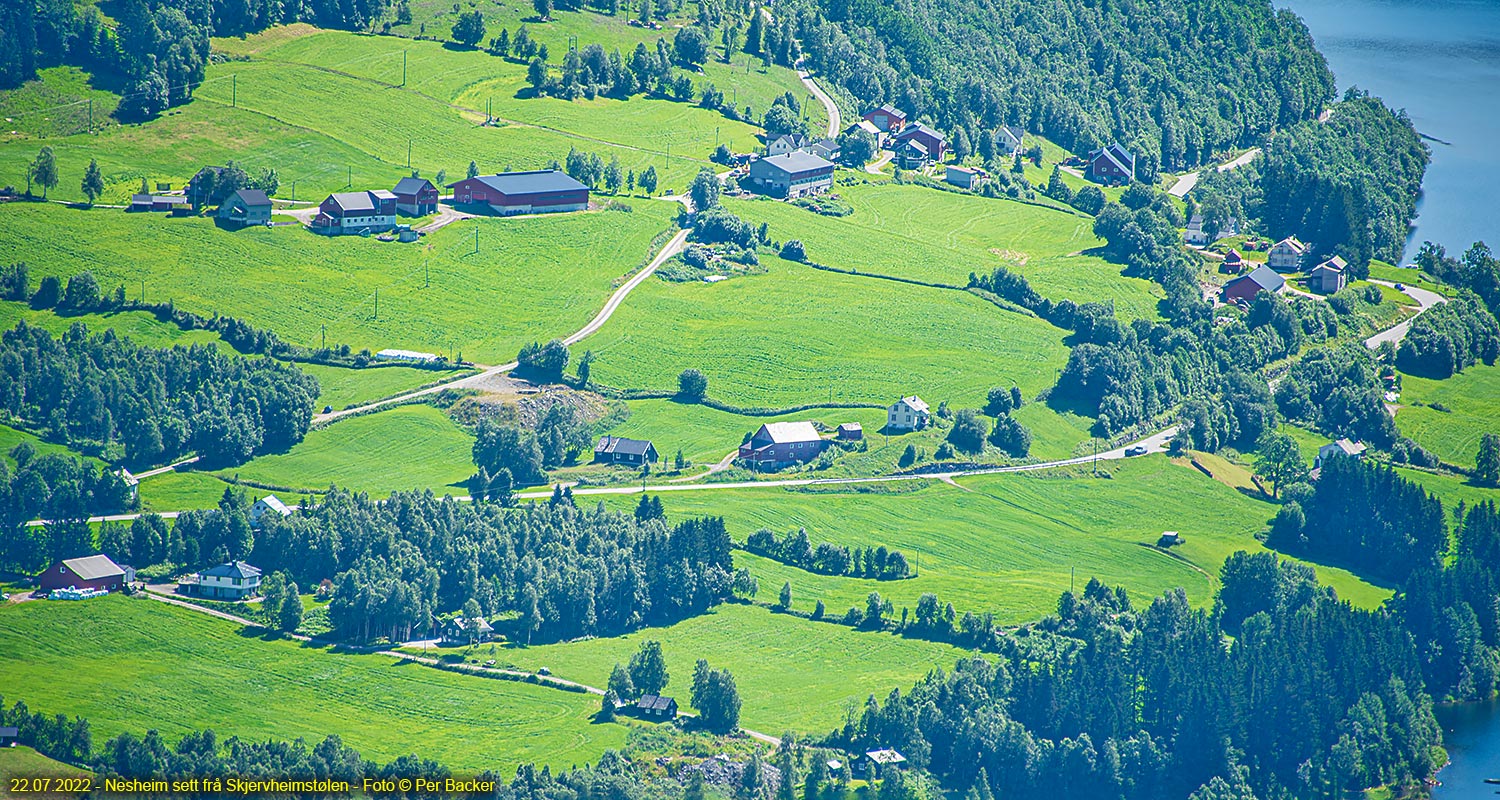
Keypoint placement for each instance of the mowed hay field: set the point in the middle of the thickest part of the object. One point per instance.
(930, 235)
(792, 674)
(796, 335)
(1009, 544)
(342, 387)
(1473, 400)
(533, 279)
(706, 435)
(144, 664)
(407, 447)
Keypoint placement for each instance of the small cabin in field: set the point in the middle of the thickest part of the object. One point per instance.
(619, 450)
(656, 707)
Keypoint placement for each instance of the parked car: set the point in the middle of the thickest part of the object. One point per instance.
(1135, 450)
(544, 671)
(1400, 287)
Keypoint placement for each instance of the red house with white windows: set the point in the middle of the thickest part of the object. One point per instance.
(415, 197)
(1112, 165)
(539, 191)
(356, 212)
(779, 444)
(931, 140)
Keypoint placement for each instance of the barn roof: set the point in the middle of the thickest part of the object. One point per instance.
(412, 185)
(796, 162)
(93, 567)
(534, 181)
(785, 432)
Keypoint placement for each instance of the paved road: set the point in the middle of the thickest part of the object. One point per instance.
(834, 125)
(874, 166)
(1185, 183)
(1425, 298)
(671, 248)
(151, 473)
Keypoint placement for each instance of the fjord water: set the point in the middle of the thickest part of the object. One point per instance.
(1440, 60)
(1471, 732)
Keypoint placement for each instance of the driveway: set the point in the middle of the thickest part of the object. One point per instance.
(1426, 298)
(834, 123)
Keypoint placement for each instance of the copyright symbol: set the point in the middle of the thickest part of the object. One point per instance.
(405, 784)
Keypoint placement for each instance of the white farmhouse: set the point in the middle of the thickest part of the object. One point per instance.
(908, 414)
(270, 504)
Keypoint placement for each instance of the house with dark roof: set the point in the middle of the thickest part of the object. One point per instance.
(1329, 276)
(826, 149)
(619, 450)
(361, 213)
(1233, 262)
(878, 761)
(8, 735)
(415, 197)
(233, 581)
(1244, 289)
(88, 572)
(244, 208)
(653, 706)
(541, 191)
(1111, 165)
(931, 139)
(780, 444)
(912, 154)
(886, 119)
(792, 175)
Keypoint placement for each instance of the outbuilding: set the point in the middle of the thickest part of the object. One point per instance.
(886, 119)
(1329, 276)
(964, 177)
(8, 735)
(851, 432)
(791, 175)
(1245, 288)
(541, 191)
(89, 572)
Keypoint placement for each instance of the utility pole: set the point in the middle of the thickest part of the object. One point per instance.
(377, 305)
(351, 176)
(426, 275)
(91, 115)
(294, 191)
(234, 90)
(403, 67)
(476, 238)
(408, 152)
(325, 336)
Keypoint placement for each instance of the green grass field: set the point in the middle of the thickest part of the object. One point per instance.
(182, 491)
(407, 447)
(138, 326)
(797, 335)
(706, 435)
(1451, 489)
(1474, 399)
(1010, 544)
(792, 674)
(533, 279)
(343, 387)
(10, 437)
(23, 762)
(148, 665)
(921, 233)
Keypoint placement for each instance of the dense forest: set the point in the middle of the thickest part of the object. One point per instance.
(1200, 79)
(1348, 186)
(105, 394)
(565, 571)
(64, 491)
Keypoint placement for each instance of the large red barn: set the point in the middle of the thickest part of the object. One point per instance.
(535, 192)
(89, 572)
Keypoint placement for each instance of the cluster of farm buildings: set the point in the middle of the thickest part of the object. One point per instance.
(1289, 255)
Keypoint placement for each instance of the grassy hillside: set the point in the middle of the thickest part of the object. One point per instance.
(706, 435)
(185, 671)
(532, 279)
(797, 335)
(138, 326)
(792, 674)
(1010, 544)
(23, 762)
(408, 447)
(930, 235)
(1473, 401)
(343, 387)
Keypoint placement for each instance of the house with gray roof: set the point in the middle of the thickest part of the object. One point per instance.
(235, 580)
(1329, 276)
(908, 414)
(792, 175)
(619, 450)
(244, 208)
(361, 213)
(270, 504)
(415, 197)
(540, 191)
(780, 444)
(1244, 289)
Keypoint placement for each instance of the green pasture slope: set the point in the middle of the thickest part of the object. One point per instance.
(327, 110)
(792, 674)
(148, 665)
(532, 279)
(342, 387)
(930, 235)
(1473, 400)
(795, 335)
(706, 435)
(1010, 544)
(407, 447)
